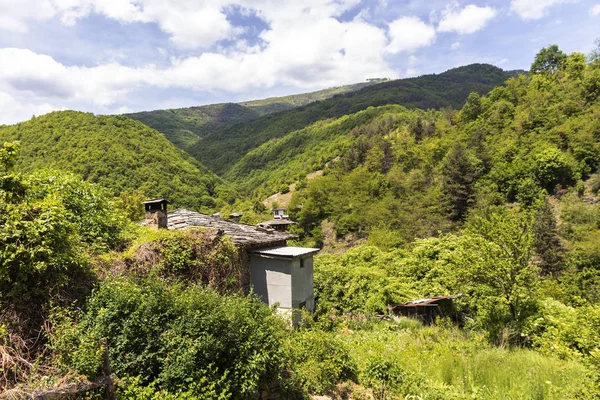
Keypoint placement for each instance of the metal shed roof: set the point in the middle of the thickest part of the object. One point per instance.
(286, 252)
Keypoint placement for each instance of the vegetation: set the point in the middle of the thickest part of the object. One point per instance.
(497, 201)
(224, 147)
(417, 173)
(183, 126)
(276, 104)
(116, 153)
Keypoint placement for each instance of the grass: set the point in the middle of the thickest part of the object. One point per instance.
(447, 363)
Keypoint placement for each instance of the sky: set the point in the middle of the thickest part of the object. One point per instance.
(118, 56)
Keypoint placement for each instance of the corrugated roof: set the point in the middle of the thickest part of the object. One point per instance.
(429, 301)
(239, 233)
(286, 252)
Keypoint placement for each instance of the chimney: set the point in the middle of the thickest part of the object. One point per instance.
(156, 213)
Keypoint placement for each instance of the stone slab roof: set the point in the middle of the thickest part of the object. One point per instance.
(241, 234)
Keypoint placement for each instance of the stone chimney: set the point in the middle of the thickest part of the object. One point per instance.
(156, 213)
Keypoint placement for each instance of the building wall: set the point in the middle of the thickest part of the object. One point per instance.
(272, 280)
(302, 284)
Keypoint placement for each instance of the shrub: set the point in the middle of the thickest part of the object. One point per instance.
(175, 339)
(319, 361)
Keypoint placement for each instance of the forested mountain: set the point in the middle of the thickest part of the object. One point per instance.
(221, 149)
(116, 152)
(416, 173)
(183, 126)
(276, 104)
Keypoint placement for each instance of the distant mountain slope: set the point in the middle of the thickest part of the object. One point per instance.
(183, 126)
(115, 152)
(301, 152)
(222, 149)
(277, 104)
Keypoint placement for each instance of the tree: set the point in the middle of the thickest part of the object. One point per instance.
(594, 55)
(472, 108)
(459, 177)
(546, 241)
(548, 60)
(418, 130)
(495, 263)
(49, 223)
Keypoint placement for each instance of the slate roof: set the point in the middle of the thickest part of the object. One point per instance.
(278, 222)
(241, 234)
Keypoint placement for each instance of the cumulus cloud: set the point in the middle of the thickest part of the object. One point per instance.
(295, 56)
(13, 110)
(533, 9)
(595, 10)
(189, 23)
(407, 34)
(467, 20)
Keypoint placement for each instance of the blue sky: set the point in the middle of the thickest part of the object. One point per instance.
(113, 56)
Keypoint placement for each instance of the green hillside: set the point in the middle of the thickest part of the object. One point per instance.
(183, 126)
(115, 152)
(221, 149)
(290, 158)
(412, 173)
(276, 104)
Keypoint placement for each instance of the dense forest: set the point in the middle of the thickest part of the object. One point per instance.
(184, 126)
(117, 153)
(495, 198)
(224, 147)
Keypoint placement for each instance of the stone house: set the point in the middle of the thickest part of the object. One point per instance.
(276, 272)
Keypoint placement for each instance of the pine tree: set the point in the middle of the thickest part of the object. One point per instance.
(547, 243)
(459, 177)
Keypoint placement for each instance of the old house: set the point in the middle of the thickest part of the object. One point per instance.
(280, 222)
(279, 213)
(276, 272)
(428, 309)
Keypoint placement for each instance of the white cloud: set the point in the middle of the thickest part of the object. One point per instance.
(305, 46)
(13, 111)
(595, 10)
(408, 34)
(298, 56)
(468, 20)
(533, 9)
(455, 46)
(189, 23)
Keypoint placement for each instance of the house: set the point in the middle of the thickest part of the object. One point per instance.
(281, 225)
(277, 273)
(279, 213)
(428, 309)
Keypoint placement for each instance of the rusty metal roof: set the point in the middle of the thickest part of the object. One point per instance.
(426, 302)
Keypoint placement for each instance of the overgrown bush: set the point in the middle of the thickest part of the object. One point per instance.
(190, 256)
(182, 341)
(319, 361)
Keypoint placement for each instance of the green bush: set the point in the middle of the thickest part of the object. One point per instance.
(178, 340)
(319, 361)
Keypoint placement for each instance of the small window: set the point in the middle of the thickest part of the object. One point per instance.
(302, 263)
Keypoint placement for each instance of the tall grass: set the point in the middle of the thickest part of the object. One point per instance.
(445, 363)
